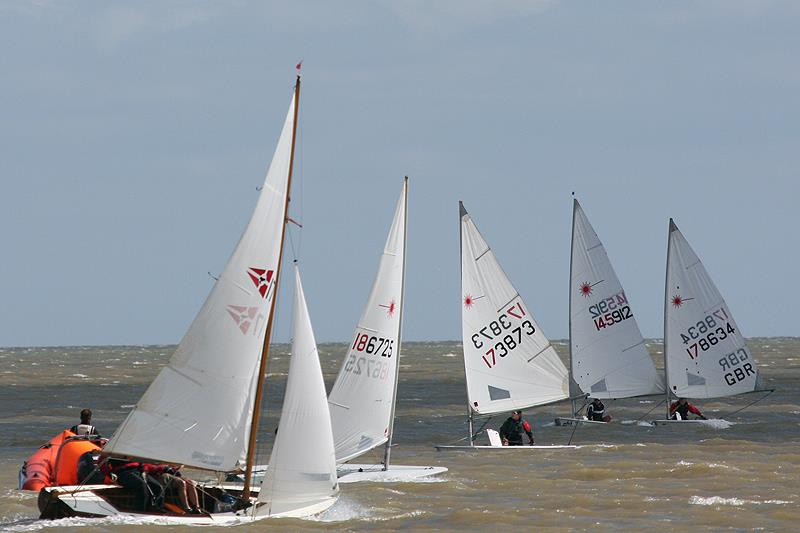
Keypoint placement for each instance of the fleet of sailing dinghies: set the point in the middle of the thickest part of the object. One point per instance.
(508, 362)
(202, 408)
(608, 356)
(705, 354)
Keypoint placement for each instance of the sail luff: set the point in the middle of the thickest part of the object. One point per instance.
(573, 387)
(672, 228)
(262, 369)
(388, 452)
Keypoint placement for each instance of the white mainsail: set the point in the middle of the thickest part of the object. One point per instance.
(362, 399)
(705, 354)
(509, 363)
(178, 420)
(301, 478)
(607, 352)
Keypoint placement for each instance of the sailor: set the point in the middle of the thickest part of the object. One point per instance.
(85, 428)
(680, 410)
(148, 492)
(170, 478)
(512, 429)
(597, 411)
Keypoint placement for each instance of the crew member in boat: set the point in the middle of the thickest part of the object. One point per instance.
(596, 411)
(512, 429)
(682, 408)
(171, 479)
(85, 428)
(147, 490)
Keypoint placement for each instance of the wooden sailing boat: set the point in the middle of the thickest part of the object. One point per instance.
(363, 398)
(202, 410)
(607, 354)
(705, 353)
(508, 362)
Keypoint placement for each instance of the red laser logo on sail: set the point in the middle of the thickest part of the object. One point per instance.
(586, 289)
(389, 308)
(677, 301)
(468, 301)
(262, 278)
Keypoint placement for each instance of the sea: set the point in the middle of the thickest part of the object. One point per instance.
(739, 471)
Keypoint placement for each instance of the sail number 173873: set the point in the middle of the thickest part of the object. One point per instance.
(500, 336)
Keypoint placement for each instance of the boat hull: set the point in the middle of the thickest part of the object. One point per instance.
(443, 448)
(354, 473)
(94, 501)
(564, 421)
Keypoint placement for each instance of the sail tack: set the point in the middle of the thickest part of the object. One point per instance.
(509, 363)
(607, 352)
(178, 420)
(362, 397)
(302, 467)
(706, 354)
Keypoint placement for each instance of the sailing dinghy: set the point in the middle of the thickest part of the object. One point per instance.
(202, 410)
(705, 354)
(363, 398)
(508, 362)
(607, 353)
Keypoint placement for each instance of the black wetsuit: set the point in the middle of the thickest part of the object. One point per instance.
(512, 431)
(596, 412)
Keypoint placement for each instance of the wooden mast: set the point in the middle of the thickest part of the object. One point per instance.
(251, 444)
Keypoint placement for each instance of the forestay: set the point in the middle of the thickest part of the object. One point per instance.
(177, 420)
(362, 396)
(607, 352)
(509, 363)
(706, 354)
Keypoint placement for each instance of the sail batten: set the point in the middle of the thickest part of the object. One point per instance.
(605, 341)
(509, 363)
(367, 379)
(177, 420)
(706, 355)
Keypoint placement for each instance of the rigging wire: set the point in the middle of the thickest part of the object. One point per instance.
(769, 391)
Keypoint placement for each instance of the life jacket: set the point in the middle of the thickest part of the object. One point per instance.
(84, 429)
(594, 412)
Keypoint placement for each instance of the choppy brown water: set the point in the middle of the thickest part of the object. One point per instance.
(626, 476)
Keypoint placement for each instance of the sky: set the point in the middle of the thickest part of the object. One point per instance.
(133, 137)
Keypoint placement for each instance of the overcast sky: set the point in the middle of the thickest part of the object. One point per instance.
(133, 136)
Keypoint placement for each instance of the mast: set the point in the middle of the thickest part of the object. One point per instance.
(388, 451)
(573, 402)
(461, 213)
(262, 368)
(666, 304)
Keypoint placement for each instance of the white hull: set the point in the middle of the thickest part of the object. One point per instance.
(354, 473)
(84, 501)
(506, 448)
(664, 422)
(564, 421)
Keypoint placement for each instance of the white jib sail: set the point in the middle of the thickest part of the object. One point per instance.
(361, 398)
(198, 410)
(608, 355)
(301, 478)
(509, 363)
(706, 355)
